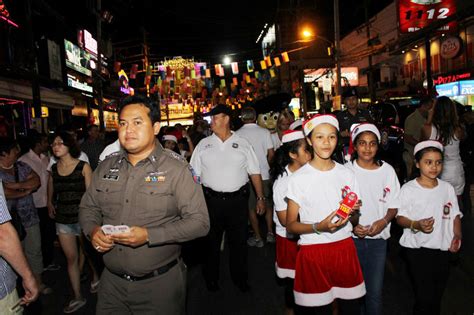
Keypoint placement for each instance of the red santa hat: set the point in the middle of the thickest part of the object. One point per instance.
(357, 129)
(292, 135)
(428, 144)
(296, 124)
(318, 119)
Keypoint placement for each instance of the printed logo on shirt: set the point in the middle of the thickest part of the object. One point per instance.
(235, 145)
(386, 192)
(345, 190)
(208, 146)
(447, 210)
(196, 178)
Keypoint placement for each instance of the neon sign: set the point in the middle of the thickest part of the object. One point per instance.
(414, 15)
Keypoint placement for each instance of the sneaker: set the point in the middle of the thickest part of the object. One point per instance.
(95, 286)
(74, 305)
(255, 242)
(270, 237)
(52, 267)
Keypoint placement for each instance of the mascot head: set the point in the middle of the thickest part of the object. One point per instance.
(268, 120)
(268, 110)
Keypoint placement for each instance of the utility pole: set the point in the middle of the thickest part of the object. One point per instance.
(99, 66)
(429, 78)
(370, 77)
(338, 47)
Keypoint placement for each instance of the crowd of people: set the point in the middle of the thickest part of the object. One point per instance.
(328, 201)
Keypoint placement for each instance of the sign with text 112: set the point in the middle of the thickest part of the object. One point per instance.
(414, 15)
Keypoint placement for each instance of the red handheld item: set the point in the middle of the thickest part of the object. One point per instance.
(346, 205)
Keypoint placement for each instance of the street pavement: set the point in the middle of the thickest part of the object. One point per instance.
(266, 295)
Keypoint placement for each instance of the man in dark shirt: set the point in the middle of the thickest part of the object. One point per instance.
(151, 191)
(93, 145)
(352, 115)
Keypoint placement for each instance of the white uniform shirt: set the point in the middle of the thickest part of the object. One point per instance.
(53, 160)
(440, 202)
(224, 166)
(276, 140)
(280, 189)
(318, 194)
(111, 148)
(39, 164)
(261, 141)
(379, 191)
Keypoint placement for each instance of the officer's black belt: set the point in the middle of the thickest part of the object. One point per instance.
(162, 270)
(208, 192)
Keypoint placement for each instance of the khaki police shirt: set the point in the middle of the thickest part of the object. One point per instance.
(158, 193)
(346, 120)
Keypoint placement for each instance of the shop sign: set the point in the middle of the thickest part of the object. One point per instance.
(451, 47)
(349, 73)
(448, 89)
(414, 15)
(75, 83)
(451, 78)
(467, 87)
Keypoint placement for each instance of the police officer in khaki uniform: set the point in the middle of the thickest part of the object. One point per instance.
(151, 190)
(352, 115)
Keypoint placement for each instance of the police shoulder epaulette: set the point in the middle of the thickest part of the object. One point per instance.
(175, 155)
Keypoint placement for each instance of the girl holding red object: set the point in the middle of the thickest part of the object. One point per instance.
(327, 267)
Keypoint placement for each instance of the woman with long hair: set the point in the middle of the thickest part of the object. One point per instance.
(67, 183)
(443, 125)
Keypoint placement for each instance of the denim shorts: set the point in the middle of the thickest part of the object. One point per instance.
(73, 228)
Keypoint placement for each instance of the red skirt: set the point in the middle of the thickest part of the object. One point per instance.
(325, 272)
(286, 250)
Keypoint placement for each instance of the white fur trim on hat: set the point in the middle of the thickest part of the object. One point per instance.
(357, 129)
(427, 144)
(296, 124)
(170, 138)
(309, 125)
(292, 135)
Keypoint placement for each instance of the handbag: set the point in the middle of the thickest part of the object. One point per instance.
(16, 220)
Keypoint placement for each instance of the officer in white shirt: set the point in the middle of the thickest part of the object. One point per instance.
(223, 162)
(261, 141)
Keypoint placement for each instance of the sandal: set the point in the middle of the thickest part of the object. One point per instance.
(95, 286)
(74, 305)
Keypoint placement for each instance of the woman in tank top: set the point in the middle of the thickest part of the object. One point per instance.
(67, 183)
(443, 125)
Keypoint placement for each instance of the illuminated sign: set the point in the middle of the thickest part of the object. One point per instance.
(414, 15)
(349, 73)
(448, 89)
(77, 59)
(450, 47)
(466, 87)
(451, 78)
(90, 43)
(74, 82)
(110, 119)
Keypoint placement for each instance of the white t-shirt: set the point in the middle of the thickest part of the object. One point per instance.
(53, 160)
(111, 148)
(379, 191)
(224, 166)
(39, 164)
(318, 193)
(276, 140)
(261, 141)
(440, 203)
(280, 189)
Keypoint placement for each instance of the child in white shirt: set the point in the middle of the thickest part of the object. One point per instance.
(430, 216)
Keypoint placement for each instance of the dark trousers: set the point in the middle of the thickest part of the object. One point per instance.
(229, 215)
(429, 272)
(48, 235)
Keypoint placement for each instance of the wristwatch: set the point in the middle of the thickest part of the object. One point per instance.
(261, 198)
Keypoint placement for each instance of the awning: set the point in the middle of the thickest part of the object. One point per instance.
(22, 90)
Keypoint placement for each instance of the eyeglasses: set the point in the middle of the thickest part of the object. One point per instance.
(54, 144)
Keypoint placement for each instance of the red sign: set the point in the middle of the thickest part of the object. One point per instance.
(414, 15)
(451, 78)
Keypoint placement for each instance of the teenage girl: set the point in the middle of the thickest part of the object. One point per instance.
(327, 266)
(290, 157)
(429, 213)
(380, 193)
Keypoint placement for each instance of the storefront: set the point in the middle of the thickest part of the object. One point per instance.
(17, 110)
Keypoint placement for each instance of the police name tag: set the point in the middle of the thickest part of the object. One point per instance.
(111, 177)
